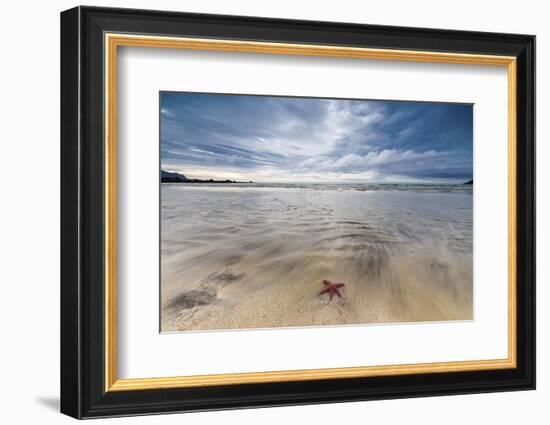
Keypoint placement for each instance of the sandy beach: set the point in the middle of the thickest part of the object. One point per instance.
(237, 257)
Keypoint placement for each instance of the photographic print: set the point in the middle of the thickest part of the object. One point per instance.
(298, 211)
(324, 185)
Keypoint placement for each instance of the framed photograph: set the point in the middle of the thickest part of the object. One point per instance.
(261, 212)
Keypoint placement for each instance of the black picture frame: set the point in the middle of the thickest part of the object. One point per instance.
(83, 392)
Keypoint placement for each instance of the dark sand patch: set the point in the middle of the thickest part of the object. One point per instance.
(225, 277)
(193, 298)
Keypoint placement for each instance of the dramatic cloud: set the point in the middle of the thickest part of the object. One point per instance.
(265, 138)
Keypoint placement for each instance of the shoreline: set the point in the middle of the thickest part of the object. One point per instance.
(257, 259)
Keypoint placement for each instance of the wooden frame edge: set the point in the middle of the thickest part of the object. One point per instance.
(306, 375)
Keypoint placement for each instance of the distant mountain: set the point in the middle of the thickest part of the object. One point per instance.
(469, 182)
(169, 177)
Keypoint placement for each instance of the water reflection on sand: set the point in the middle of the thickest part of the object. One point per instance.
(249, 256)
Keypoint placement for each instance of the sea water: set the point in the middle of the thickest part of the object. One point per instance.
(237, 256)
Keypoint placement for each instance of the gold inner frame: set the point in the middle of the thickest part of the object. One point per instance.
(113, 41)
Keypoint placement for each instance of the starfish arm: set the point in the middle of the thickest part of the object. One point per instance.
(331, 289)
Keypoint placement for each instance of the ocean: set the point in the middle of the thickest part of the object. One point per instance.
(242, 256)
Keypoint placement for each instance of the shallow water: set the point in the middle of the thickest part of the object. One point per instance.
(248, 256)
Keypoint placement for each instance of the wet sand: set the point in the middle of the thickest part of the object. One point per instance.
(238, 257)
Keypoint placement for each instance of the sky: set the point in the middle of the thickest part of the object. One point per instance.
(290, 139)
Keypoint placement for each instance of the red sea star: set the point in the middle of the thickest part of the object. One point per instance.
(331, 288)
